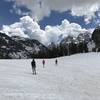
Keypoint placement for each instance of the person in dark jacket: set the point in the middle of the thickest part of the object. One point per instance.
(56, 62)
(43, 62)
(33, 64)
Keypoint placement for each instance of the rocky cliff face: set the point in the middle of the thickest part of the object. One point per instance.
(96, 36)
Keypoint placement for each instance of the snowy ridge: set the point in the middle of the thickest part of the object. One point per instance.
(75, 78)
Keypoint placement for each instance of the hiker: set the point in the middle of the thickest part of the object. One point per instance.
(56, 62)
(33, 64)
(43, 62)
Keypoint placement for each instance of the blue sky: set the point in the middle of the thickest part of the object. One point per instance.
(55, 17)
(5, 16)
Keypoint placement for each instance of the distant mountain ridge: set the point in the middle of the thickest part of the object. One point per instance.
(71, 45)
(16, 47)
(19, 48)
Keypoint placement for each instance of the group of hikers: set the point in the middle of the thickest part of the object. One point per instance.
(33, 64)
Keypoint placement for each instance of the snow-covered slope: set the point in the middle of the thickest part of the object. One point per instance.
(76, 77)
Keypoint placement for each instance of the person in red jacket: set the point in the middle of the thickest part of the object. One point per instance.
(43, 62)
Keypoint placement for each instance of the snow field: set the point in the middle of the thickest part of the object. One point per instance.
(76, 77)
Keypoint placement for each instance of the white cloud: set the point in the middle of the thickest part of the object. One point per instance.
(25, 28)
(41, 8)
(14, 31)
(29, 28)
(88, 11)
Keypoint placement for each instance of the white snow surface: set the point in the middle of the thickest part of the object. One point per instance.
(76, 77)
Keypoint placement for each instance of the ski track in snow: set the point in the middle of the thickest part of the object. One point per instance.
(76, 77)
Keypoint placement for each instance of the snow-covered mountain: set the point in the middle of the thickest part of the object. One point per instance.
(67, 40)
(75, 77)
(32, 46)
(17, 47)
(71, 45)
(86, 37)
(82, 37)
